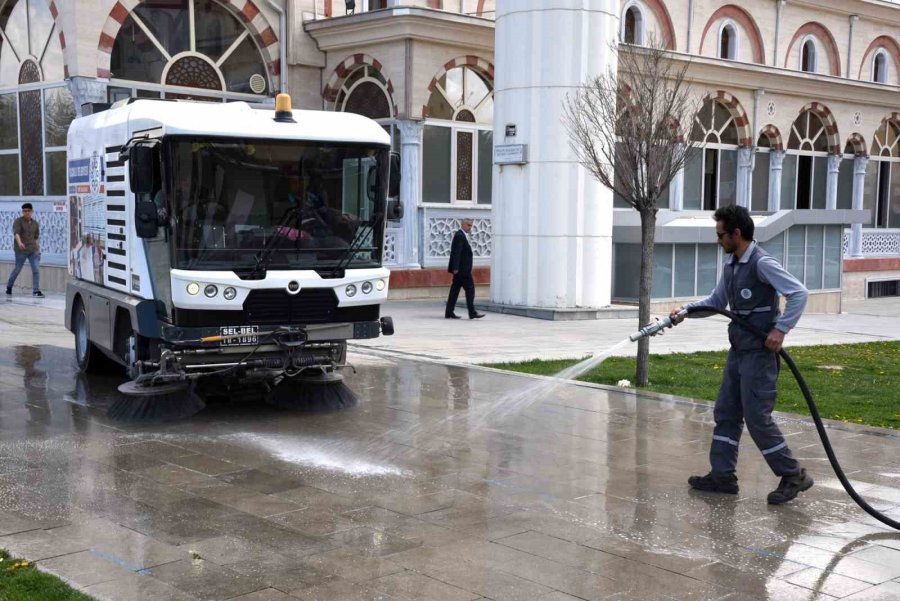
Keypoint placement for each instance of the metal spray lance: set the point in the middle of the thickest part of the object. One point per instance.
(652, 329)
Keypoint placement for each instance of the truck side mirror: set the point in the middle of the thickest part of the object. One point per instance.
(394, 178)
(143, 168)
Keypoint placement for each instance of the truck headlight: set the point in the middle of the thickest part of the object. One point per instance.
(193, 288)
(229, 293)
(367, 287)
(350, 290)
(379, 285)
(210, 290)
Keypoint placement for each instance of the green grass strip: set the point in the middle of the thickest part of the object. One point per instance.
(858, 383)
(21, 581)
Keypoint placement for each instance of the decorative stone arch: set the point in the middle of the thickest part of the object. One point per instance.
(246, 11)
(348, 66)
(773, 135)
(857, 142)
(663, 20)
(831, 128)
(824, 37)
(889, 44)
(741, 121)
(62, 36)
(477, 63)
(742, 18)
(57, 26)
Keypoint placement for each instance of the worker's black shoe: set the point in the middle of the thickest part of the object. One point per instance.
(37, 294)
(790, 487)
(8, 291)
(712, 482)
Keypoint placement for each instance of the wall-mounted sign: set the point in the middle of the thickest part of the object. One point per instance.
(510, 154)
(510, 130)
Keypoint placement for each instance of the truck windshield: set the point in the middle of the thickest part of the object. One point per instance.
(291, 204)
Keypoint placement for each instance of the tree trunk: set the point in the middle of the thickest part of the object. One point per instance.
(648, 237)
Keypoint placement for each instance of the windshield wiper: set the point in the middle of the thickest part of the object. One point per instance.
(355, 246)
(268, 251)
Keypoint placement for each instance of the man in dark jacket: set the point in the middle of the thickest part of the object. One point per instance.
(461, 268)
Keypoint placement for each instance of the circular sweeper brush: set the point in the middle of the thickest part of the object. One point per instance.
(150, 404)
(319, 393)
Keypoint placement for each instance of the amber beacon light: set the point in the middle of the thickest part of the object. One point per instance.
(283, 113)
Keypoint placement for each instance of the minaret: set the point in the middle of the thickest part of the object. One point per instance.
(552, 222)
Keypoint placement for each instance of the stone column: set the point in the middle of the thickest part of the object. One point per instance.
(776, 162)
(676, 191)
(744, 174)
(86, 89)
(859, 182)
(552, 221)
(831, 183)
(410, 190)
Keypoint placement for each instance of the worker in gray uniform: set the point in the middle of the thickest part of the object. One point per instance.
(750, 286)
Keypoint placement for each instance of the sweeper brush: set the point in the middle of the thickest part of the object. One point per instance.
(320, 393)
(154, 404)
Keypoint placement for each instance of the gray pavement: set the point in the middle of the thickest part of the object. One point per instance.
(444, 482)
(422, 330)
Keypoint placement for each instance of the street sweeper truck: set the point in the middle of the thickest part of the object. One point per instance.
(221, 245)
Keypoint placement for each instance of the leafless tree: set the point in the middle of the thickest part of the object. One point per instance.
(628, 128)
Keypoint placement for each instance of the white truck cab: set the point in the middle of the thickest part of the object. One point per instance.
(225, 243)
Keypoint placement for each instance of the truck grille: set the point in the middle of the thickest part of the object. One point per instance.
(310, 305)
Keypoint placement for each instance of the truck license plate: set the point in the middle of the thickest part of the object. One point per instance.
(239, 335)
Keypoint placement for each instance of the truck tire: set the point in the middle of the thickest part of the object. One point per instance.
(90, 359)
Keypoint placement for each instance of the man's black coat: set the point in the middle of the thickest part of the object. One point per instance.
(460, 254)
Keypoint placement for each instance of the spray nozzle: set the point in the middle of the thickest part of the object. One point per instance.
(652, 329)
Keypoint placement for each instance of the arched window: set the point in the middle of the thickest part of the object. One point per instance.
(879, 67)
(458, 138)
(806, 164)
(808, 58)
(711, 174)
(33, 122)
(880, 197)
(633, 26)
(187, 43)
(728, 42)
(365, 92)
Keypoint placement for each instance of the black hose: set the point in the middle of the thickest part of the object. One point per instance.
(813, 410)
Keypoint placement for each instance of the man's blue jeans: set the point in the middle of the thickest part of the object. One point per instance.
(35, 259)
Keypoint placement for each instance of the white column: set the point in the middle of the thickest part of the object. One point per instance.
(410, 189)
(744, 173)
(776, 161)
(831, 183)
(676, 190)
(552, 221)
(859, 182)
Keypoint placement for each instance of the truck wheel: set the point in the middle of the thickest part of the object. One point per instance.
(90, 359)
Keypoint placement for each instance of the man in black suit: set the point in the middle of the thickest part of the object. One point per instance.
(461, 268)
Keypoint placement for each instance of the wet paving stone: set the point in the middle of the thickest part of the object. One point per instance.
(416, 494)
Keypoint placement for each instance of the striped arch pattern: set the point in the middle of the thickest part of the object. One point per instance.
(62, 36)
(886, 42)
(831, 129)
(737, 112)
(477, 63)
(774, 136)
(347, 66)
(246, 11)
(858, 144)
(743, 18)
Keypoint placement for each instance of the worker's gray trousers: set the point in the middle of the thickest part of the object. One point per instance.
(748, 395)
